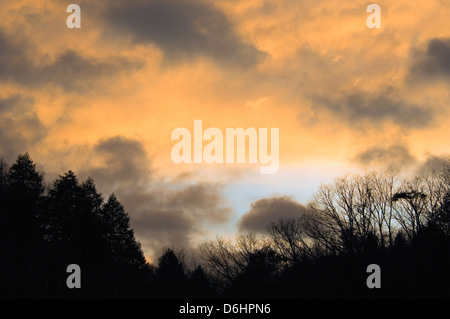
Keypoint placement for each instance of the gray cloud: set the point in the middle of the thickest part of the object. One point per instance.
(164, 216)
(360, 109)
(162, 213)
(20, 127)
(125, 163)
(267, 210)
(74, 72)
(158, 227)
(392, 156)
(433, 163)
(203, 200)
(433, 62)
(69, 70)
(183, 29)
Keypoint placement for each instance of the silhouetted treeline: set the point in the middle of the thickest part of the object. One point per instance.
(401, 225)
(42, 232)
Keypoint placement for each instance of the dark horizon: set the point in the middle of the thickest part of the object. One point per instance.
(324, 253)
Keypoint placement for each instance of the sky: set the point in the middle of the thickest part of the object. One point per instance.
(103, 100)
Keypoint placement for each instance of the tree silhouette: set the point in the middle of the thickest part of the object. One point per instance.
(24, 194)
(199, 284)
(22, 191)
(441, 217)
(290, 239)
(171, 279)
(258, 277)
(401, 225)
(118, 235)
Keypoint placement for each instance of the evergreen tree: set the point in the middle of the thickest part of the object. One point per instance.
(171, 279)
(22, 192)
(118, 234)
(24, 177)
(92, 199)
(64, 200)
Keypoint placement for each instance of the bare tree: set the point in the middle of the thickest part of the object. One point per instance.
(355, 209)
(226, 259)
(289, 239)
(419, 199)
(384, 187)
(341, 212)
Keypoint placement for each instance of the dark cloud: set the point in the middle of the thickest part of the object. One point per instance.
(20, 127)
(360, 109)
(162, 213)
(125, 163)
(163, 217)
(392, 156)
(69, 70)
(159, 227)
(433, 62)
(203, 200)
(183, 29)
(433, 163)
(267, 210)
(74, 72)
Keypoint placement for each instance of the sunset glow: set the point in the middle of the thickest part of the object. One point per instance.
(104, 99)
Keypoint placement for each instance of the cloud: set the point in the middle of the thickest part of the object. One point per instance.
(163, 213)
(157, 229)
(183, 30)
(164, 216)
(74, 72)
(68, 70)
(203, 200)
(124, 163)
(267, 210)
(433, 163)
(433, 62)
(363, 108)
(393, 156)
(362, 94)
(20, 126)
